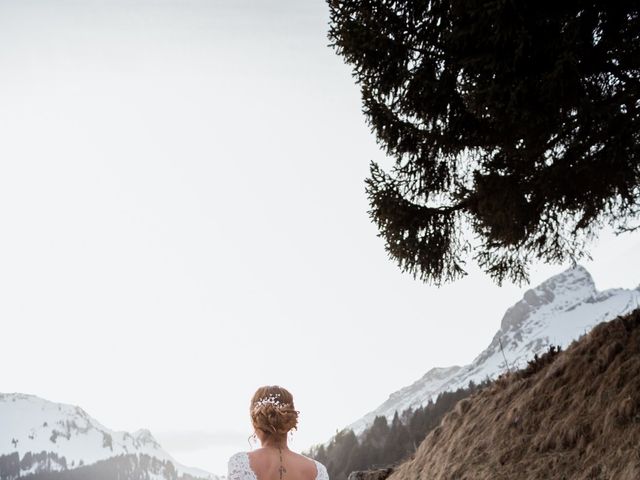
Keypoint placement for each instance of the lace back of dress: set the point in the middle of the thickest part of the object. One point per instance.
(240, 469)
(322, 471)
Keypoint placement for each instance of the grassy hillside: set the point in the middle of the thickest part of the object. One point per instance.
(569, 415)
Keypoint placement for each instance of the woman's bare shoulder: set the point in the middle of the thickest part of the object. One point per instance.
(315, 469)
(304, 459)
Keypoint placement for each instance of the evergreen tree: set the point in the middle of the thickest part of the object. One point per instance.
(382, 445)
(343, 443)
(514, 126)
(321, 454)
(9, 466)
(398, 442)
(378, 432)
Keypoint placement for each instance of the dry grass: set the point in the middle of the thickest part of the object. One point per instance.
(575, 415)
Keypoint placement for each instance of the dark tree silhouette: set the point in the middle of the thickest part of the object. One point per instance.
(514, 126)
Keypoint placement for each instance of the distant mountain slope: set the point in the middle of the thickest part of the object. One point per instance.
(572, 415)
(30, 425)
(559, 310)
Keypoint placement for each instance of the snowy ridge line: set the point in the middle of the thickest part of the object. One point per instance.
(556, 312)
(32, 424)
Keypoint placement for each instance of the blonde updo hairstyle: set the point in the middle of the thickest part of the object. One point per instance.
(273, 413)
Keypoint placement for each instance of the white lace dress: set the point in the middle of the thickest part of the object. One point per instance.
(240, 469)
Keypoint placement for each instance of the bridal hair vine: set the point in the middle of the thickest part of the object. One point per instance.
(273, 399)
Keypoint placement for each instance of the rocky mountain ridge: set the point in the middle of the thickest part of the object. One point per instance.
(556, 312)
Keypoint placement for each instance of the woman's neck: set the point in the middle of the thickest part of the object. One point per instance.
(277, 444)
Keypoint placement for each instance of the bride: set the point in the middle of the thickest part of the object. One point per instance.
(273, 416)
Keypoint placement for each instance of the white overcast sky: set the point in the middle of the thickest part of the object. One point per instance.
(184, 219)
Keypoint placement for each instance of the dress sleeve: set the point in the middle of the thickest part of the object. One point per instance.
(238, 468)
(322, 472)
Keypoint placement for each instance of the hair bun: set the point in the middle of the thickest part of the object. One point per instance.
(273, 412)
(275, 419)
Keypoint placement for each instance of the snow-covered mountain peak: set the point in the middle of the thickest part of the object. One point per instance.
(556, 312)
(144, 437)
(568, 288)
(30, 424)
